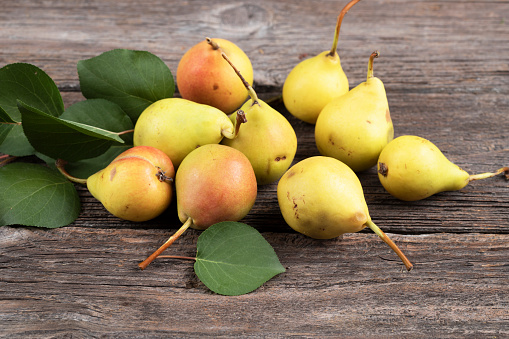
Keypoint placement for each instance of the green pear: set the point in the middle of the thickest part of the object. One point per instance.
(314, 82)
(177, 126)
(321, 197)
(268, 140)
(136, 185)
(355, 127)
(412, 168)
(214, 183)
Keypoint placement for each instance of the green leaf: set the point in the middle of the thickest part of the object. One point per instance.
(64, 139)
(131, 79)
(34, 87)
(87, 167)
(4, 131)
(5, 118)
(233, 259)
(34, 195)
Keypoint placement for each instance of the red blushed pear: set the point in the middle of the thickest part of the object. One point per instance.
(214, 183)
(204, 77)
(135, 186)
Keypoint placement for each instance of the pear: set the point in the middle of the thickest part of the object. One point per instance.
(355, 127)
(321, 197)
(214, 183)
(268, 139)
(136, 186)
(412, 168)
(314, 82)
(204, 77)
(177, 126)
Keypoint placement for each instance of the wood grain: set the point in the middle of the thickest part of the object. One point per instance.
(445, 69)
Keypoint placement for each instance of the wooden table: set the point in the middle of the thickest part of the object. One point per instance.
(445, 66)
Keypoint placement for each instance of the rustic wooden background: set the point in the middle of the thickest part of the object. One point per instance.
(445, 66)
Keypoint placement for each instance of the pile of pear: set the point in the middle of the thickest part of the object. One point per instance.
(210, 148)
(215, 145)
(321, 196)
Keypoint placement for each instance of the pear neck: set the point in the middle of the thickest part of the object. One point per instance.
(253, 96)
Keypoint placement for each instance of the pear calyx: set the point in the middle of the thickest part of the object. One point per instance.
(338, 26)
(383, 169)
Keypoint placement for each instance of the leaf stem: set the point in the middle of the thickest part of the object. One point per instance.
(504, 170)
(6, 158)
(167, 244)
(176, 257)
(338, 26)
(391, 244)
(61, 167)
(126, 132)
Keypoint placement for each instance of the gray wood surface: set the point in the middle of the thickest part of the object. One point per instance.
(445, 67)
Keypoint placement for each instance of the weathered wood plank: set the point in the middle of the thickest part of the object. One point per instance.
(85, 281)
(446, 74)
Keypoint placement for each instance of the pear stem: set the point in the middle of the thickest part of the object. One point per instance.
(250, 90)
(60, 164)
(391, 244)
(372, 57)
(239, 120)
(167, 244)
(504, 170)
(338, 26)
(213, 44)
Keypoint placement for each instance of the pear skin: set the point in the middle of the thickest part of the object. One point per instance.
(177, 126)
(204, 77)
(267, 139)
(322, 198)
(136, 185)
(412, 168)
(355, 127)
(214, 183)
(312, 84)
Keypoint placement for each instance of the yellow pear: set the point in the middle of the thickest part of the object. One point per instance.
(355, 127)
(412, 168)
(136, 185)
(267, 139)
(177, 126)
(322, 198)
(314, 82)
